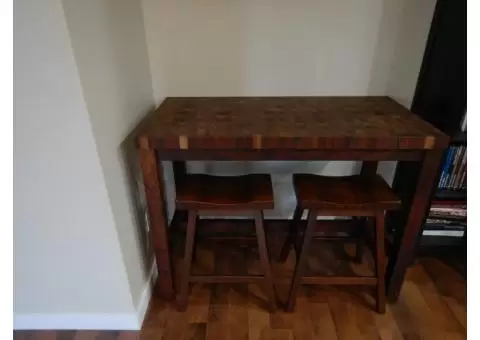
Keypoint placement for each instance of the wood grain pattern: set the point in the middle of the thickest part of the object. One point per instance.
(404, 245)
(248, 192)
(434, 291)
(288, 123)
(355, 192)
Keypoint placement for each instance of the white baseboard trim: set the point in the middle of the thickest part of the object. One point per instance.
(146, 294)
(99, 321)
(121, 321)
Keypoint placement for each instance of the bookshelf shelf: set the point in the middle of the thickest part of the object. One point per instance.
(450, 195)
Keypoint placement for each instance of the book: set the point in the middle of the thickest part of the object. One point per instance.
(461, 169)
(456, 165)
(463, 180)
(463, 185)
(445, 163)
(449, 233)
(448, 170)
(431, 222)
(435, 227)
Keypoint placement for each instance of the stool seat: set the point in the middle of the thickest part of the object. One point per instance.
(200, 191)
(345, 192)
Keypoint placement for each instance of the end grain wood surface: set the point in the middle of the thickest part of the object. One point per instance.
(287, 123)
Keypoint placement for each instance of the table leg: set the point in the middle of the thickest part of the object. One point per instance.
(405, 245)
(154, 190)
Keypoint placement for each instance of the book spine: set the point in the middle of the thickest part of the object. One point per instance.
(463, 181)
(452, 167)
(449, 166)
(444, 168)
(461, 168)
(456, 165)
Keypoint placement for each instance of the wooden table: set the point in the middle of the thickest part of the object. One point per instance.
(370, 129)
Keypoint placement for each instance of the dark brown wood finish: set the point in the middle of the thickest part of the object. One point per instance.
(355, 192)
(380, 260)
(264, 260)
(250, 192)
(290, 155)
(301, 261)
(348, 123)
(283, 128)
(187, 260)
(404, 246)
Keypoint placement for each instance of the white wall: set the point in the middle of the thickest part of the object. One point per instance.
(68, 266)
(108, 41)
(283, 47)
(268, 47)
(410, 45)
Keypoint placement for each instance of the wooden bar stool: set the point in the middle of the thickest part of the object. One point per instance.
(366, 196)
(201, 194)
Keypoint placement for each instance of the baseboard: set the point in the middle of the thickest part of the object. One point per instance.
(100, 321)
(142, 305)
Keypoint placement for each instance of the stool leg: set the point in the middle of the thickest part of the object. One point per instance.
(187, 260)
(302, 260)
(380, 260)
(292, 235)
(360, 244)
(194, 255)
(263, 251)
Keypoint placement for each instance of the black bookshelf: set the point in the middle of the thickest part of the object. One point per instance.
(440, 98)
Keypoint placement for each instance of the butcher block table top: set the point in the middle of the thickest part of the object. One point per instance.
(302, 123)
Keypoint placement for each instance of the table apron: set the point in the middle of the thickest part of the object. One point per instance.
(289, 155)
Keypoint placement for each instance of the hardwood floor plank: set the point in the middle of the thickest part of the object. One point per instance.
(258, 317)
(322, 321)
(344, 315)
(129, 335)
(387, 326)
(86, 335)
(442, 313)
(451, 287)
(413, 315)
(217, 326)
(198, 303)
(151, 334)
(66, 335)
(276, 334)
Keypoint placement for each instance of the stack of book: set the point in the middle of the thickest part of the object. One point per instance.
(454, 169)
(446, 218)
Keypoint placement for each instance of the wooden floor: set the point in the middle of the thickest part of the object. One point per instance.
(432, 304)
